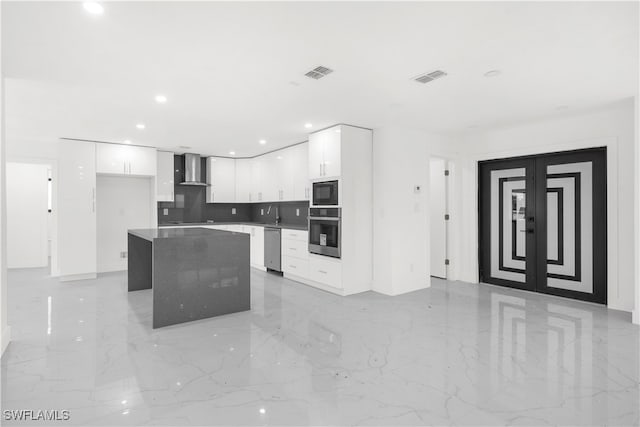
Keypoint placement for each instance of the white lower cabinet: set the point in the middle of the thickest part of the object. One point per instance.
(295, 266)
(256, 234)
(325, 270)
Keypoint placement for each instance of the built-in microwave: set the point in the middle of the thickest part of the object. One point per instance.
(325, 193)
(325, 231)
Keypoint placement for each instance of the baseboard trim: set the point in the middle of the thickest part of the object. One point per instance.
(5, 339)
(73, 277)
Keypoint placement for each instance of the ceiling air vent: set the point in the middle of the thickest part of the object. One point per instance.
(319, 72)
(426, 78)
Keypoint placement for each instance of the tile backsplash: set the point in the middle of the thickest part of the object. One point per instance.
(190, 205)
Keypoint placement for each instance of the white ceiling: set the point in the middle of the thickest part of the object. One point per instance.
(234, 72)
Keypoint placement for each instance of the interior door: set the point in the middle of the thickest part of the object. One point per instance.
(543, 224)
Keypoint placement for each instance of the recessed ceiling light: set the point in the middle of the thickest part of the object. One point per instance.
(308, 125)
(232, 153)
(263, 141)
(161, 99)
(127, 141)
(493, 73)
(140, 126)
(279, 157)
(93, 7)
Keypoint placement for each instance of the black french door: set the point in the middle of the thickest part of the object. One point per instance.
(543, 223)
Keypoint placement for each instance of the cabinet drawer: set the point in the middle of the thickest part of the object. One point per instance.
(296, 266)
(301, 235)
(328, 272)
(295, 248)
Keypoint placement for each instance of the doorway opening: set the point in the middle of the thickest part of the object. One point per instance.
(543, 223)
(439, 216)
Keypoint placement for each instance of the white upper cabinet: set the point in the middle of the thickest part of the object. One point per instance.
(164, 178)
(221, 177)
(300, 172)
(270, 177)
(324, 153)
(243, 180)
(116, 159)
(77, 210)
(257, 166)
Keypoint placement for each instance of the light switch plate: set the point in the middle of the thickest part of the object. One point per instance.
(233, 211)
(261, 211)
(297, 212)
(165, 212)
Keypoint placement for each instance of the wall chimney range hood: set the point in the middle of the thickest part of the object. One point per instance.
(192, 170)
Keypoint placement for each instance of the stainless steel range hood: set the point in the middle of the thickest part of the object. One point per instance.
(192, 170)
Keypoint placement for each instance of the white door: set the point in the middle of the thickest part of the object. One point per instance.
(27, 215)
(438, 225)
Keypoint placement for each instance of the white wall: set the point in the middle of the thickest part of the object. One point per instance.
(401, 253)
(27, 216)
(122, 203)
(613, 127)
(5, 330)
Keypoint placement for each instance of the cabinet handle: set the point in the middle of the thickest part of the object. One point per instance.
(292, 266)
(292, 249)
(93, 200)
(124, 164)
(322, 271)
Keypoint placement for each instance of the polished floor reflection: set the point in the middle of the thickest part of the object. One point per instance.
(454, 354)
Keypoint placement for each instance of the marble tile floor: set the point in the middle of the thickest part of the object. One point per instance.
(454, 354)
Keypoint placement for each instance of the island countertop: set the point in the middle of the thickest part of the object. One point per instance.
(151, 234)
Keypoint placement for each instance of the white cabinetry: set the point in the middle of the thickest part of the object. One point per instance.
(164, 178)
(77, 257)
(221, 177)
(299, 155)
(257, 166)
(117, 159)
(324, 153)
(243, 180)
(256, 234)
(325, 270)
(295, 253)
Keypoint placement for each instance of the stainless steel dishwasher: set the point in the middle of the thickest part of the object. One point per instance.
(272, 256)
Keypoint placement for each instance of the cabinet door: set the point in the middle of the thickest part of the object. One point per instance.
(316, 154)
(77, 209)
(256, 179)
(243, 180)
(111, 159)
(286, 173)
(271, 177)
(164, 177)
(331, 153)
(142, 160)
(300, 172)
(257, 246)
(221, 177)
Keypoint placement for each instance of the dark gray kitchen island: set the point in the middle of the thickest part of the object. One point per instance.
(193, 273)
